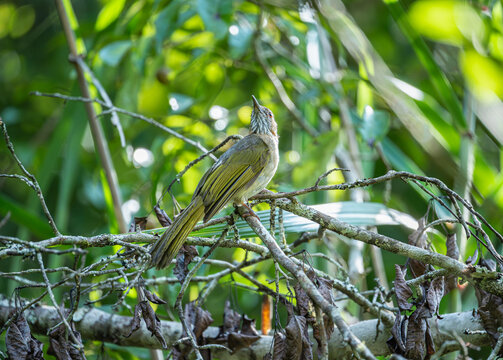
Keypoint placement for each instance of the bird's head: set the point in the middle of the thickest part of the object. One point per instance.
(262, 120)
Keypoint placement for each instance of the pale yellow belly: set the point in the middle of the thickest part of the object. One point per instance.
(262, 180)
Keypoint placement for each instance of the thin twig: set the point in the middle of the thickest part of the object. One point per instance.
(128, 113)
(114, 117)
(32, 182)
(70, 333)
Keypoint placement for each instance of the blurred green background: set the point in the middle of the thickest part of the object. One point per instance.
(409, 85)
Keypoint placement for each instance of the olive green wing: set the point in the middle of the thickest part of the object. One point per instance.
(232, 174)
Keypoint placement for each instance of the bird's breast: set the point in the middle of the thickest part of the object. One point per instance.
(266, 174)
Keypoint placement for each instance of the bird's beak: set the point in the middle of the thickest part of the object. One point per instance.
(256, 105)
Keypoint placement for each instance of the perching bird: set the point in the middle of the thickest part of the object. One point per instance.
(241, 172)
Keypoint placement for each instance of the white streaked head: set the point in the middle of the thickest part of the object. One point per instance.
(262, 120)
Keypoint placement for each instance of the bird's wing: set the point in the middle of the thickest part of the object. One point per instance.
(233, 173)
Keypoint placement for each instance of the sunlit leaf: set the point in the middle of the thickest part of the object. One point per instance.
(437, 20)
(484, 75)
(109, 14)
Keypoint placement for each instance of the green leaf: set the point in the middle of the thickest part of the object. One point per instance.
(165, 23)
(351, 212)
(239, 39)
(436, 76)
(113, 52)
(375, 125)
(211, 13)
(109, 14)
(398, 159)
(315, 159)
(69, 171)
(18, 213)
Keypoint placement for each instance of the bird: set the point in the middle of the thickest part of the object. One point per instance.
(242, 171)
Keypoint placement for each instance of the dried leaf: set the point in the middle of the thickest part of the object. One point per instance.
(298, 345)
(402, 290)
(229, 333)
(20, 343)
(238, 341)
(232, 319)
(199, 318)
(396, 343)
(135, 321)
(415, 345)
(139, 224)
(151, 321)
(430, 344)
(325, 288)
(434, 294)
(248, 327)
(183, 259)
(279, 349)
(303, 301)
(452, 246)
(153, 298)
(163, 218)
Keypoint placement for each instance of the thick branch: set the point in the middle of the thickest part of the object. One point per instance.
(94, 324)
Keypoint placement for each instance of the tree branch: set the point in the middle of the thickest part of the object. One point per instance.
(94, 324)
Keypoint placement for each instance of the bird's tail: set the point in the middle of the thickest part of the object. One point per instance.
(166, 248)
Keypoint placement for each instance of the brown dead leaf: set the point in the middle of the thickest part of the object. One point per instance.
(20, 342)
(402, 290)
(396, 343)
(434, 294)
(199, 318)
(152, 322)
(279, 349)
(303, 301)
(232, 319)
(153, 298)
(298, 345)
(415, 346)
(139, 224)
(183, 259)
(163, 218)
(238, 341)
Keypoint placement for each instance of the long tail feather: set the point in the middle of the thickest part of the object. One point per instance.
(166, 248)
